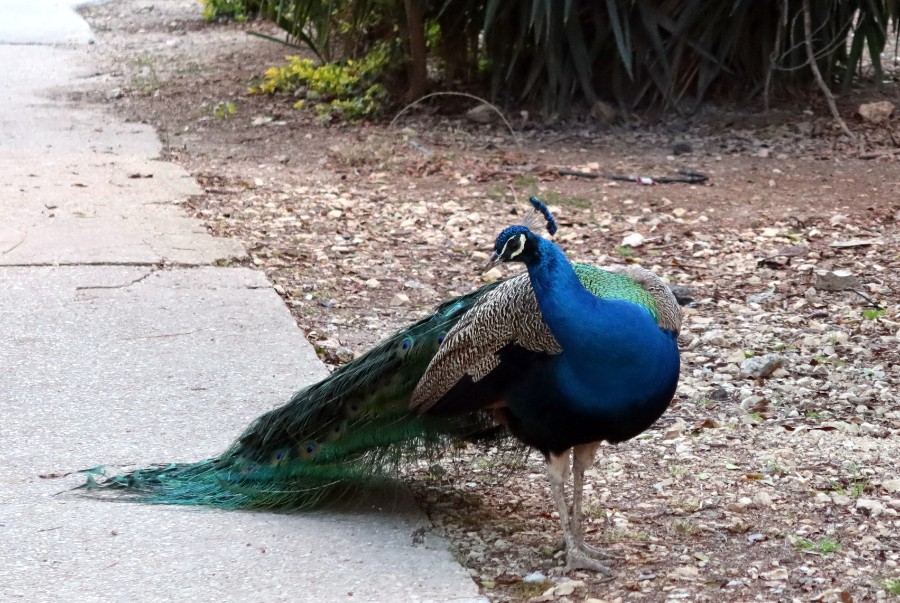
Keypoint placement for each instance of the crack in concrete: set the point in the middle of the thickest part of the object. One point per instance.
(5, 251)
(122, 286)
(163, 335)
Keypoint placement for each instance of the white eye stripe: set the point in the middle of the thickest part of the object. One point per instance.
(520, 241)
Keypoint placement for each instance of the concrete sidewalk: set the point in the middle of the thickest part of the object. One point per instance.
(107, 357)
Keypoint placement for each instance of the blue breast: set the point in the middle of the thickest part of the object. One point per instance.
(615, 377)
(613, 395)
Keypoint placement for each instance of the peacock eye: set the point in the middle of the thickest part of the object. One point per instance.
(308, 450)
(405, 346)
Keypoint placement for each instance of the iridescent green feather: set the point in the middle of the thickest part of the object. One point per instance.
(613, 285)
(344, 431)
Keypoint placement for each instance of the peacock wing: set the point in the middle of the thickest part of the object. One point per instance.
(662, 301)
(508, 314)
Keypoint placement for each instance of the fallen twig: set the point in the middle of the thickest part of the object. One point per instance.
(685, 177)
(867, 298)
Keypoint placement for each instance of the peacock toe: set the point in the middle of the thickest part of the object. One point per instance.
(593, 552)
(577, 559)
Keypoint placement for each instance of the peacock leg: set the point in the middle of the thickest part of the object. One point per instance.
(582, 458)
(576, 558)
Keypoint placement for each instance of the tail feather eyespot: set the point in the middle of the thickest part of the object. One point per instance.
(405, 346)
(308, 450)
(281, 456)
(337, 430)
(352, 409)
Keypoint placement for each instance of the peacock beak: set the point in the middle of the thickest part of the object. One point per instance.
(492, 261)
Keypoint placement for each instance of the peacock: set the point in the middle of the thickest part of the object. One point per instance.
(561, 358)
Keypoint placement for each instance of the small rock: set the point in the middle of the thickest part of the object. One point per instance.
(763, 499)
(681, 147)
(633, 239)
(685, 572)
(822, 498)
(720, 394)
(761, 297)
(373, 283)
(684, 295)
(891, 485)
(856, 243)
(534, 577)
(876, 113)
(482, 114)
(115, 93)
(870, 507)
(399, 299)
(837, 280)
(841, 499)
(492, 275)
(760, 367)
(764, 153)
(752, 402)
(740, 506)
(869, 542)
(779, 573)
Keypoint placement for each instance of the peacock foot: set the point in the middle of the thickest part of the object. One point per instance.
(577, 559)
(592, 551)
(587, 549)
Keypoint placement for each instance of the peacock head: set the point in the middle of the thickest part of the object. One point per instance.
(518, 243)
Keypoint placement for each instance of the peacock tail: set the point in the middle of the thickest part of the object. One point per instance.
(361, 423)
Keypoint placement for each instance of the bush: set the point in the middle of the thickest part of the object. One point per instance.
(637, 53)
(348, 90)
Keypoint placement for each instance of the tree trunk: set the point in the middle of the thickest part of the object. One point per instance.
(418, 53)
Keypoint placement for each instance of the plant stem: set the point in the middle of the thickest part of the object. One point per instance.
(811, 57)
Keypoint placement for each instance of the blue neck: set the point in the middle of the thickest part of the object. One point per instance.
(560, 295)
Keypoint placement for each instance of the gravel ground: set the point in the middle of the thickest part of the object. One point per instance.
(773, 477)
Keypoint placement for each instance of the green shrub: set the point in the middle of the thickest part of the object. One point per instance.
(638, 54)
(349, 90)
(224, 9)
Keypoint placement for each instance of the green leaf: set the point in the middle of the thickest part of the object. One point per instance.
(622, 42)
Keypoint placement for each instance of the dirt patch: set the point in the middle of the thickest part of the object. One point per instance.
(783, 487)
